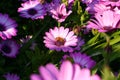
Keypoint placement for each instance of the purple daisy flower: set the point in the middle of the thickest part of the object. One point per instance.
(7, 27)
(11, 76)
(60, 13)
(32, 9)
(9, 48)
(52, 4)
(60, 39)
(83, 60)
(105, 22)
(67, 71)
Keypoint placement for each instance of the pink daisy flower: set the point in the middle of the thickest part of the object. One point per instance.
(11, 76)
(60, 39)
(9, 48)
(111, 2)
(7, 27)
(97, 8)
(32, 9)
(67, 71)
(60, 13)
(105, 22)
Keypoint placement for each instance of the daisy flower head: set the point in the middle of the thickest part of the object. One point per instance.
(7, 27)
(32, 9)
(9, 48)
(83, 60)
(60, 13)
(51, 4)
(60, 39)
(11, 76)
(67, 71)
(105, 22)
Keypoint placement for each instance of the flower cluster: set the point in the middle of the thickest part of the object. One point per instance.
(35, 10)
(75, 39)
(8, 47)
(106, 14)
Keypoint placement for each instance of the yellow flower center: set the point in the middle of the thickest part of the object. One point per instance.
(59, 41)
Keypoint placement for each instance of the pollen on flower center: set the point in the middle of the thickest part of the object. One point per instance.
(59, 41)
(32, 12)
(2, 28)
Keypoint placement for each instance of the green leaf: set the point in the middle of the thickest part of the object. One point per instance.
(115, 53)
(107, 74)
(115, 34)
(94, 39)
(115, 40)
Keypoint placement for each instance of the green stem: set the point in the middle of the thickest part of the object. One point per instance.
(59, 24)
(33, 27)
(107, 38)
(107, 54)
(50, 51)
